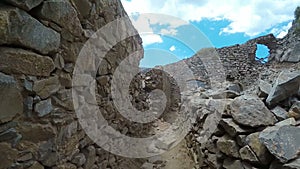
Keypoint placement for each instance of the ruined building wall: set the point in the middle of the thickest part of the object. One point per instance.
(39, 44)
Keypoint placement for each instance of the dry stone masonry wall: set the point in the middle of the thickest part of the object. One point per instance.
(252, 122)
(39, 44)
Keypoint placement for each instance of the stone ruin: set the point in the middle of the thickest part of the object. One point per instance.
(253, 122)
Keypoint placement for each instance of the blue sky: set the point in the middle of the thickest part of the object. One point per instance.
(177, 29)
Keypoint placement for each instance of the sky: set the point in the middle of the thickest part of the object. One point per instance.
(176, 29)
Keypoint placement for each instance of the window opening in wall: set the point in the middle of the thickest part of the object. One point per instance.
(262, 53)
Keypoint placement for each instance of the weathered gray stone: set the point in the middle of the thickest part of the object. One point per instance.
(10, 136)
(83, 6)
(276, 165)
(258, 148)
(65, 79)
(19, 28)
(46, 154)
(247, 154)
(295, 164)
(222, 94)
(70, 54)
(28, 85)
(61, 12)
(20, 61)
(6, 126)
(8, 155)
(237, 87)
(27, 5)
(59, 61)
(251, 111)
(28, 106)
(25, 157)
(79, 159)
(292, 54)
(148, 166)
(50, 159)
(36, 165)
(280, 113)
(287, 122)
(67, 166)
(282, 141)
(212, 161)
(246, 165)
(264, 88)
(232, 128)
(286, 85)
(90, 154)
(241, 140)
(11, 102)
(36, 133)
(232, 164)
(228, 147)
(44, 88)
(64, 99)
(43, 108)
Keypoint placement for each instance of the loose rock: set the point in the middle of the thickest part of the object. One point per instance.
(251, 111)
(258, 148)
(228, 147)
(280, 113)
(282, 142)
(247, 154)
(287, 84)
(27, 5)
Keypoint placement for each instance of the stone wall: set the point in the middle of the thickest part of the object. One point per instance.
(253, 120)
(40, 42)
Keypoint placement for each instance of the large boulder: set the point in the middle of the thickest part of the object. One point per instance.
(251, 111)
(295, 164)
(19, 61)
(286, 85)
(282, 141)
(26, 5)
(61, 12)
(258, 148)
(11, 102)
(20, 29)
(292, 54)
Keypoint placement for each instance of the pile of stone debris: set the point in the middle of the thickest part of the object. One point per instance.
(251, 129)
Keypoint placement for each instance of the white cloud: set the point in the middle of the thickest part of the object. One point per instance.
(151, 38)
(280, 33)
(249, 17)
(172, 48)
(145, 23)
